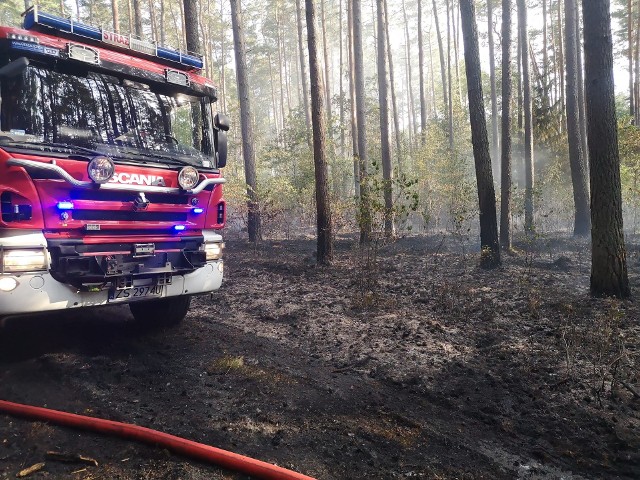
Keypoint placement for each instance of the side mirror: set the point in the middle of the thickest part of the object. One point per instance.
(14, 68)
(222, 122)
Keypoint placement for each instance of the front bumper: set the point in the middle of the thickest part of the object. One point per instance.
(40, 292)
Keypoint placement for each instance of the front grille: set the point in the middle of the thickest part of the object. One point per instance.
(131, 216)
(115, 196)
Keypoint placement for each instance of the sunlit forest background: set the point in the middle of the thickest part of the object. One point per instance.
(434, 184)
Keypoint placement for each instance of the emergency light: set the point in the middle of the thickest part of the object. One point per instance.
(34, 19)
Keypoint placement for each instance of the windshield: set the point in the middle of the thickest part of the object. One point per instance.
(105, 114)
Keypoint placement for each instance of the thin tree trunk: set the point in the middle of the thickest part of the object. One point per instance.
(519, 61)
(442, 64)
(383, 93)
(449, 83)
(223, 62)
(246, 124)
(423, 101)
(341, 67)
(137, 18)
(303, 72)
(561, 63)
(608, 255)
(456, 28)
(411, 100)
(528, 129)
(545, 56)
(394, 100)
(632, 111)
(282, 84)
(636, 89)
(352, 102)
(492, 80)
(325, 49)
(505, 197)
(323, 208)
(576, 161)
(581, 105)
(364, 208)
(116, 16)
(490, 247)
(163, 38)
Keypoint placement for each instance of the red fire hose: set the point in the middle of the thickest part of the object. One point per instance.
(199, 451)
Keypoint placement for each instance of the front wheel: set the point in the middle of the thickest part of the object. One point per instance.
(165, 312)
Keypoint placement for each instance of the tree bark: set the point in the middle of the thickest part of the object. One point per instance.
(116, 16)
(423, 101)
(411, 100)
(576, 160)
(490, 253)
(137, 18)
(449, 82)
(365, 218)
(581, 107)
(442, 63)
(394, 101)
(303, 72)
(608, 256)
(323, 209)
(630, 56)
(325, 49)
(492, 80)
(383, 93)
(352, 102)
(505, 171)
(246, 125)
(528, 129)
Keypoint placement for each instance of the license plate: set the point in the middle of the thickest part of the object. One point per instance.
(136, 293)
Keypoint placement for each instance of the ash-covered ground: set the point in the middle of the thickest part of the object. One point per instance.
(402, 360)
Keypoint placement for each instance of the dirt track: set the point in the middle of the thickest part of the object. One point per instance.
(437, 370)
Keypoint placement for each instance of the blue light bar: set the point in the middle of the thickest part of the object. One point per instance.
(179, 228)
(198, 210)
(34, 19)
(65, 205)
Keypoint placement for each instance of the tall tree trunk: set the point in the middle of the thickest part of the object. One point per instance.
(412, 103)
(423, 101)
(545, 56)
(323, 208)
(519, 100)
(490, 247)
(608, 256)
(325, 49)
(383, 89)
(561, 63)
(581, 105)
(137, 18)
(576, 161)
(443, 67)
(116, 16)
(223, 62)
(352, 102)
(163, 35)
(246, 125)
(282, 83)
(394, 100)
(630, 56)
(505, 196)
(340, 76)
(528, 128)
(193, 45)
(449, 83)
(303, 72)
(636, 83)
(492, 80)
(364, 207)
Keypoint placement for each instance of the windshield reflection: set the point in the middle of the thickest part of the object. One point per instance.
(101, 113)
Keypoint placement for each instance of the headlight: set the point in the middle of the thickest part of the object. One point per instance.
(188, 178)
(101, 169)
(23, 260)
(213, 251)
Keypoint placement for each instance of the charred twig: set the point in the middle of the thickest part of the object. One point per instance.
(630, 388)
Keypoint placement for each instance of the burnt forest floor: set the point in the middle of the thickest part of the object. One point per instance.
(402, 360)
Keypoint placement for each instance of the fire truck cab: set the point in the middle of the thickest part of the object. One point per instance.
(110, 180)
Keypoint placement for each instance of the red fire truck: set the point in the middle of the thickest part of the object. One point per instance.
(110, 181)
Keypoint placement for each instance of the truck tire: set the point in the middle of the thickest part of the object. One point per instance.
(165, 312)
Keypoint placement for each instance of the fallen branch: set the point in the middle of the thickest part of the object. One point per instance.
(71, 458)
(630, 388)
(30, 470)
